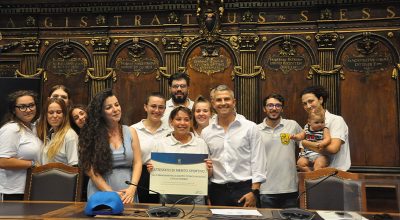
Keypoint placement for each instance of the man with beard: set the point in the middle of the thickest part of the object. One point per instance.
(237, 155)
(280, 188)
(179, 89)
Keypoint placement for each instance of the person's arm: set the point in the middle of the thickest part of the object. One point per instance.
(209, 167)
(15, 164)
(298, 137)
(332, 148)
(9, 143)
(326, 138)
(250, 200)
(128, 194)
(98, 180)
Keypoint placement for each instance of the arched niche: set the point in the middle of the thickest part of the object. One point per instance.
(66, 62)
(136, 63)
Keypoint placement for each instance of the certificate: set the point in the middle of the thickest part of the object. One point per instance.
(181, 174)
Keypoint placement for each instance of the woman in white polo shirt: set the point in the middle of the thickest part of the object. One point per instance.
(19, 144)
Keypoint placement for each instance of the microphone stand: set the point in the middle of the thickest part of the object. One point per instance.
(297, 213)
(159, 211)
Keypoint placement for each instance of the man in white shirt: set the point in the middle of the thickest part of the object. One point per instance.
(280, 188)
(179, 89)
(236, 153)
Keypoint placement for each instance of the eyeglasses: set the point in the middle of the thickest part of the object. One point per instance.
(161, 107)
(271, 106)
(24, 108)
(183, 86)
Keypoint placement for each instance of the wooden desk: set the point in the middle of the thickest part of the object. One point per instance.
(74, 210)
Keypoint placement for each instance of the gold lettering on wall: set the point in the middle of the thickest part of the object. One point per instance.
(187, 18)
(48, 22)
(231, 18)
(10, 23)
(391, 10)
(138, 18)
(83, 21)
(261, 17)
(155, 21)
(366, 13)
(343, 14)
(117, 17)
(303, 15)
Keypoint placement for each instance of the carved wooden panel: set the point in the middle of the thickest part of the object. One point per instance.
(66, 63)
(369, 102)
(209, 66)
(136, 66)
(286, 63)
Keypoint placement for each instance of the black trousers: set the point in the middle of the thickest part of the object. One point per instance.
(143, 194)
(228, 194)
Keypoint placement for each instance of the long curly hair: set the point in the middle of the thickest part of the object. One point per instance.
(94, 146)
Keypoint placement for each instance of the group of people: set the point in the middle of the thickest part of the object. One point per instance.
(248, 164)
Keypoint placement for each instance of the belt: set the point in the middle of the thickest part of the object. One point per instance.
(231, 185)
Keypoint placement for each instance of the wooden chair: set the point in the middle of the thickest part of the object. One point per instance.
(53, 182)
(338, 191)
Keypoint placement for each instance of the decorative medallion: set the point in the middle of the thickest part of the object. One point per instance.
(100, 44)
(210, 61)
(287, 58)
(172, 43)
(326, 14)
(173, 18)
(67, 63)
(30, 21)
(326, 40)
(136, 62)
(247, 16)
(100, 20)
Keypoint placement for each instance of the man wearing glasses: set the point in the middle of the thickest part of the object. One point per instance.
(179, 89)
(280, 188)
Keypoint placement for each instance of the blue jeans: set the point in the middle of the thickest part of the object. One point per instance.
(282, 200)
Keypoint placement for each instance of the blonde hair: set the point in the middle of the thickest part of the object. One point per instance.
(44, 127)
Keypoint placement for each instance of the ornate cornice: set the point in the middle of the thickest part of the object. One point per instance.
(326, 40)
(100, 44)
(30, 45)
(172, 43)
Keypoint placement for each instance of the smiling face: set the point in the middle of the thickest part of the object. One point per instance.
(25, 109)
(55, 115)
(155, 108)
(181, 123)
(224, 103)
(311, 103)
(273, 108)
(79, 117)
(111, 110)
(202, 113)
(179, 91)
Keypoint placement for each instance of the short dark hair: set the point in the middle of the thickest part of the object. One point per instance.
(318, 91)
(178, 76)
(154, 94)
(275, 96)
(180, 108)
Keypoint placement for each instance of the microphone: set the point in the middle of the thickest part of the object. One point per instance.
(158, 211)
(297, 213)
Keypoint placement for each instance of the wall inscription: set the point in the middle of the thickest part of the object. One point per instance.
(137, 66)
(367, 64)
(67, 67)
(209, 65)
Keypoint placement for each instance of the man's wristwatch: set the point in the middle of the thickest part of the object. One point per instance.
(256, 192)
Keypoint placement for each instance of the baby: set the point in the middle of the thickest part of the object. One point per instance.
(314, 131)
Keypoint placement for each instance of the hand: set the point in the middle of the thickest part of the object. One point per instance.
(209, 166)
(249, 200)
(127, 195)
(149, 167)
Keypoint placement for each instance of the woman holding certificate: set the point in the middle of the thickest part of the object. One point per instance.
(182, 141)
